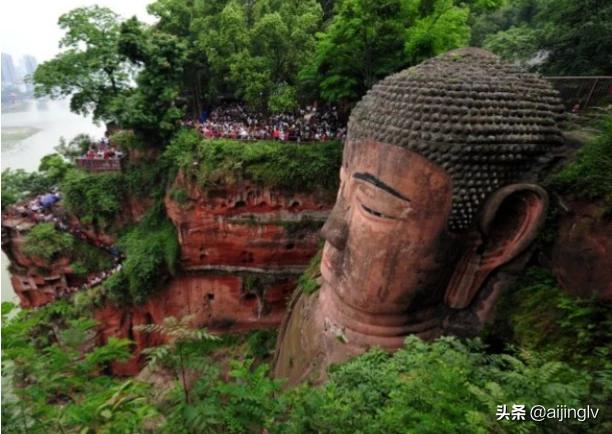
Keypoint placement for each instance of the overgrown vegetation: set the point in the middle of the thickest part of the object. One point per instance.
(554, 31)
(46, 242)
(590, 175)
(441, 386)
(282, 165)
(54, 380)
(95, 197)
(19, 185)
(537, 315)
(308, 282)
(151, 249)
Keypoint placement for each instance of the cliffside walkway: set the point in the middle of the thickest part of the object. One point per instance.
(24, 216)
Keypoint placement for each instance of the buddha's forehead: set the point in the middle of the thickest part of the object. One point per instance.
(401, 169)
(485, 122)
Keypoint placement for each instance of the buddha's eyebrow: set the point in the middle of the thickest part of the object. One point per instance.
(368, 177)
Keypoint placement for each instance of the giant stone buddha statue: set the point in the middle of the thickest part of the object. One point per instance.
(435, 213)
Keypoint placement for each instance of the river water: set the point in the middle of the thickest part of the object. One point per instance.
(53, 120)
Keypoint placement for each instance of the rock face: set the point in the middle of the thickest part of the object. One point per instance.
(36, 282)
(582, 253)
(218, 302)
(242, 249)
(246, 227)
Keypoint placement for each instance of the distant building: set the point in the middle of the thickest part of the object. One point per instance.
(9, 75)
(29, 64)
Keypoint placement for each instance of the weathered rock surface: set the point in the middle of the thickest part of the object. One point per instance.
(220, 303)
(35, 281)
(582, 253)
(242, 249)
(246, 226)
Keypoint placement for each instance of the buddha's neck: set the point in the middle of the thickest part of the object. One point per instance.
(387, 330)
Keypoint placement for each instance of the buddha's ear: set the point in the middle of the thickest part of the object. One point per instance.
(508, 224)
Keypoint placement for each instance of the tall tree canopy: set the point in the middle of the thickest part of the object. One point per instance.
(367, 40)
(89, 68)
(575, 35)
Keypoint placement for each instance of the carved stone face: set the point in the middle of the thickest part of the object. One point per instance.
(387, 246)
(435, 213)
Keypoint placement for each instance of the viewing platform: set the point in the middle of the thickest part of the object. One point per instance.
(111, 164)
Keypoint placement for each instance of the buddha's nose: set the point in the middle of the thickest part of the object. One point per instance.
(335, 229)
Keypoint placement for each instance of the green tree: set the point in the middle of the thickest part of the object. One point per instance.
(89, 68)
(570, 32)
(366, 41)
(152, 108)
(76, 147)
(18, 185)
(179, 351)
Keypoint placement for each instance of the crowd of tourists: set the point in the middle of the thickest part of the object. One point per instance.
(95, 279)
(102, 150)
(237, 121)
(41, 209)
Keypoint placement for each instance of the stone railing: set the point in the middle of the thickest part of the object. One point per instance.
(99, 164)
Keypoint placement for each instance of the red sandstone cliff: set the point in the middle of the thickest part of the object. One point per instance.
(242, 250)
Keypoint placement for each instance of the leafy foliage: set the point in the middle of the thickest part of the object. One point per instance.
(46, 242)
(366, 41)
(178, 352)
(76, 147)
(56, 384)
(18, 185)
(590, 175)
(308, 282)
(445, 386)
(274, 164)
(151, 108)
(95, 197)
(520, 29)
(90, 68)
(151, 249)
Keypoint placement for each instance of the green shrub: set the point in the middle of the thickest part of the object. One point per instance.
(308, 281)
(126, 140)
(151, 249)
(179, 195)
(261, 343)
(88, 258)
(18, 185)
(146, 179)
(55, 375)
(54, 167)
(538, 315)
(46, 242)
(98, 197)
(590, 175)
(441, 387)
(76, 147)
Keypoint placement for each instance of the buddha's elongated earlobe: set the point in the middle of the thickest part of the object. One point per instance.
(508, 224)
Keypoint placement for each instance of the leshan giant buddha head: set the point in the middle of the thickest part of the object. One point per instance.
(435, 213)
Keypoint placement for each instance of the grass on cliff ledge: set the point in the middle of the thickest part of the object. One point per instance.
(284, 165)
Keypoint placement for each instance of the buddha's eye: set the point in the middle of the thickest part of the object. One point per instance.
(374, 212)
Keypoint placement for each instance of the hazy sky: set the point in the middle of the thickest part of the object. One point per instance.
(30, 26)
